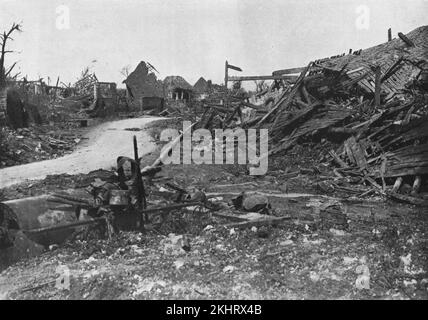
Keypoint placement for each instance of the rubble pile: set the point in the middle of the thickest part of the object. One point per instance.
(35, 143)
(373, 102)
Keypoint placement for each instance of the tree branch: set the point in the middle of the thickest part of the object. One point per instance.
(10, 69)
(6, 36)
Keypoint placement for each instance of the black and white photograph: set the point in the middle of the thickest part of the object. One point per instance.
(213, 155)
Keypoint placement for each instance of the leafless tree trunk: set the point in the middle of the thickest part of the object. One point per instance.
(125, 71)
(4, 38)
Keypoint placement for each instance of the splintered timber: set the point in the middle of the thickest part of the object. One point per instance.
(197, 147)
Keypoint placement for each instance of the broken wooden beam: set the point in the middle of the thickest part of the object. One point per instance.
(288, 71)
(355, 153)
(286, 98)
(65, 226)
(397, 184)
(165, 152)
(408, 199)
(258, 222)
(253, 106)
(306, 95)
(232, 217)
(406, 40)
(377, 85)
(172, 207)
(251, 78)
(391, 70)
(374, 184)
(416, 185)
(342, 130)
(337, 159)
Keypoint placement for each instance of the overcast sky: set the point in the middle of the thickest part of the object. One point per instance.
(193, 38)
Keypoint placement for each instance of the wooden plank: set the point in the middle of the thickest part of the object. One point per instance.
(286, 97)
(408, 199)
(288, 71)
(232, 217)
(306, 95)
(358, 152)
(366, 85)
(258, 222)
(359, 71)
(392, 69)
(409, 164)
(339, 161)
(297, 118)
(348, 152)
(412, 171)
(377, 86)
(291, 95)
(251, 78)
(406, 40)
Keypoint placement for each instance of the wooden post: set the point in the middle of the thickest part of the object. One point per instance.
(56, 87)
(397, 184)
(290, 78)
(389, 34)
(141, 194)
(377, 86)
(416, 185)
(226, 76)
(406, 40)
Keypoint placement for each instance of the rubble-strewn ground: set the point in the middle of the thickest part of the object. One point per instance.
(383, 247)
(288, 261)
(39, 142)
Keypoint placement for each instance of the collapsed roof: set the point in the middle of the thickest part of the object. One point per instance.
(142, 82)
(172, 83)
(396, 58)
(373, 103)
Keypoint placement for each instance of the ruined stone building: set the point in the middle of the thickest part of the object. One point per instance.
(143, 89)
(176, 88)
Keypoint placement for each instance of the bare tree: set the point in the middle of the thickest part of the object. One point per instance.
(125, 71)
(5, 37)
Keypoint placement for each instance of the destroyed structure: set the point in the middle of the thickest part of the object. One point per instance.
(103, 96)
(372, 101)
(362, 114)
(202, 87)
(177, 89)
(144, 90)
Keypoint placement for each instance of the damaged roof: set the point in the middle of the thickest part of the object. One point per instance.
(176, 82)
(201, 85)
(143, 83)
(395, 58)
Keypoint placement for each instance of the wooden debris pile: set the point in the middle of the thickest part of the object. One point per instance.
(376, 102)
(390, 146)
(230, 109)
(36, 143)
(373, 102)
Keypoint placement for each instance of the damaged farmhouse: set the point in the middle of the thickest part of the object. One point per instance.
(213, 150)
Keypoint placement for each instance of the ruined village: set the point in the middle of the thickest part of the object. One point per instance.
(91, 209)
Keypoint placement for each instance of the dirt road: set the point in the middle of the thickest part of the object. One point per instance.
(104, 144)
